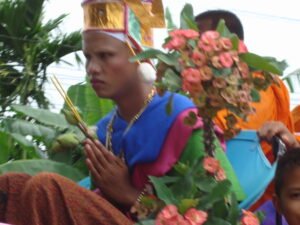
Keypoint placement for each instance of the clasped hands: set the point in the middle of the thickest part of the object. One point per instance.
(110, 174)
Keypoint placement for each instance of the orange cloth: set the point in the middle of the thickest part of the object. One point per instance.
(296, 118)
(52, 199)
(274, 105)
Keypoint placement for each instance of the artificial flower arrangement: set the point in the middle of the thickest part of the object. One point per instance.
(214, 69)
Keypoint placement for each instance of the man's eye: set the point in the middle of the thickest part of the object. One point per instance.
(295, 195)
(105, 55)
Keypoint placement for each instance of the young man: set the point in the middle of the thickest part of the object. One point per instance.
(137, 139)
(287, 186)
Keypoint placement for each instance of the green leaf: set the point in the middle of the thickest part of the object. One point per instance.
(218, 193)
(186, 204)
(33, 167)
(255, 95)
(235, 42)
(147, 54)
(290, 84)
(6, 145)
(145, 222)
(234, 211)
(168, 59)
(169, 106)
(42, 115)
(24, 127)
(169, 179)
(184, 187)
(187, 20)
(206, 184)
(30, 151)
(282, 65)
(172, 80)
(222, 72)
(217, 221)
(170, 23)
(92, 107)
(163, 192)
(223, 30)
(260, 63)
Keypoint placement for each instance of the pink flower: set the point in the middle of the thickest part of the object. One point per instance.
(226, 43)
(226, 59)
(219, 83)
(209, 35)
(195, 217)
(169, 215)
(233, 79)
(211, 164)
(186, 33)
(242, 48)
(205, 73)
(215, 60)
(229, 96)
(194, 89)
(244, 69)
(244, 96)
(175, 43)
(234, 55)
(191, 75)
(220, 174)
(198, 58)
(249, 218)
(207, 47)
(217, 46)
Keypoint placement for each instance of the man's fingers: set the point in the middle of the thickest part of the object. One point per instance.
(94, 157)
(95, 173)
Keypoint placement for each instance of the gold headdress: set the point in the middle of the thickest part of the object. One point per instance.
(125, 19)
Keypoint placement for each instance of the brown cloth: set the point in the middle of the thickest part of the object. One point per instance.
(50, 199)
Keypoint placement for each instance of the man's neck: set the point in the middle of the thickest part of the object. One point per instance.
(130, 105)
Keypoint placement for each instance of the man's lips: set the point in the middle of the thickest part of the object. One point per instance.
(97, 82)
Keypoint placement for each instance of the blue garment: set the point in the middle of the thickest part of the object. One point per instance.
(270, 214)
(143, 142)
(252, 168)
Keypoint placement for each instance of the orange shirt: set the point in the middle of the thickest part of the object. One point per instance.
(274, 105)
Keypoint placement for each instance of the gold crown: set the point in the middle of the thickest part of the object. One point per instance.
(114, 16)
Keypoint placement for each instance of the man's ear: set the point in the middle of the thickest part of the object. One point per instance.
(276, 203)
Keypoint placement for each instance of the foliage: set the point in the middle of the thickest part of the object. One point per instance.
(214, 69)
(91, 107)
(33, 167)
(291, 78)
(30, 134)
(37, 134)
(28, 47)
(217, 72)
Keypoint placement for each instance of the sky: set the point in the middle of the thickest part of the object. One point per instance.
(272, 28)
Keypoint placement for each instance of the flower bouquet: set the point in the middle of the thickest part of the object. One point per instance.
(214, 69)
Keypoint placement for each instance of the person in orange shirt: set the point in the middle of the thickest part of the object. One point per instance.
(296, 118)
(274, 104)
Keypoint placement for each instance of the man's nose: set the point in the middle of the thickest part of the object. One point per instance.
(93, 68)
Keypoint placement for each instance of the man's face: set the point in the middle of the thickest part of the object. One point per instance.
(107, 65)
(288, 203)
(205, 25)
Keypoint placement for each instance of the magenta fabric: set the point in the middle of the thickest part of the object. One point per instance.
(173, 146)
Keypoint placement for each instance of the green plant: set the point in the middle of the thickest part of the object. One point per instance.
(216, 71)
(27, 47)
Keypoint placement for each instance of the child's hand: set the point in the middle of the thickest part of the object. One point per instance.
(110, 174)
(275, 128)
